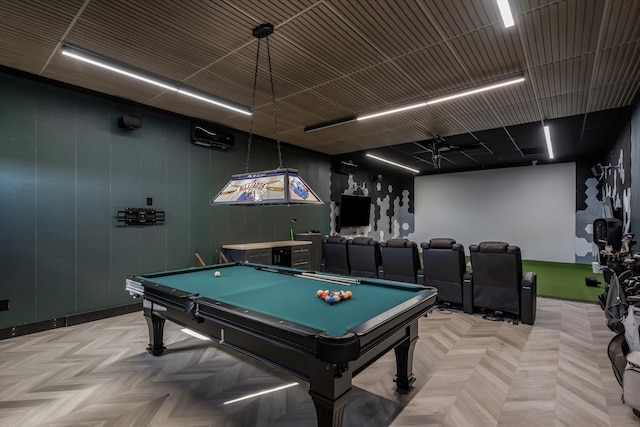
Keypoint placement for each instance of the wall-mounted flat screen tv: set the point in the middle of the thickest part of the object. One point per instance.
(354, 211)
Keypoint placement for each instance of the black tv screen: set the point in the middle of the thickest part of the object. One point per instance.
(354, 211)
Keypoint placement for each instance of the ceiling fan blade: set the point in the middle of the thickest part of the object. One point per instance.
(459, 148)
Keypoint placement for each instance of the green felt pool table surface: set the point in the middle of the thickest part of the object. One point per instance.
(288, 297)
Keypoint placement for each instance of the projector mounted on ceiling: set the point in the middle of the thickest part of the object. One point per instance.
(438, 147)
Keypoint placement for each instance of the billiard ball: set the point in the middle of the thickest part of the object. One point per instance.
(217, 274)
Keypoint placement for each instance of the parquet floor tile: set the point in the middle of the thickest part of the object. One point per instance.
(470, 372)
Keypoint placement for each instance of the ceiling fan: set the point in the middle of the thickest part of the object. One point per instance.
(438, 146)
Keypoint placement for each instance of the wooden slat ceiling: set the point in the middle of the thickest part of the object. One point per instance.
(337, 58)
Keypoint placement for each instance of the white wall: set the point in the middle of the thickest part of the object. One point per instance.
(532, 207)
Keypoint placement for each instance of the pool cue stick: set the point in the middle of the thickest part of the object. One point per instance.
(334, 278)
(321, 279)
(275, 270)
(300, 275)
(303, 275)
(199, 260)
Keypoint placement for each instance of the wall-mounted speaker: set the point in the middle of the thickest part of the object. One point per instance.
(129, 122)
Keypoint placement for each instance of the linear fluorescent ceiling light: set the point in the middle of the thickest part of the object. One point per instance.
(477, 90)
(395, 110)
(212, 101)
(505, 11)
(132, 72)
(454, 95)
(398, 165)
(547, 137)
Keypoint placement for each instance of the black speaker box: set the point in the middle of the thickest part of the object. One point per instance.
(591, 281)
(528, 295)
(128, 122)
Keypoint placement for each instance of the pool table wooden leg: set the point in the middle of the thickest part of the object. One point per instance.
(156, 331)
(404, 360)
(329, 387)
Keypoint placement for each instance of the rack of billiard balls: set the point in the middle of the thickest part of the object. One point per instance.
(333, 297)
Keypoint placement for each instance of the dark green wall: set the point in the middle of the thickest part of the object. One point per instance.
(66, 169)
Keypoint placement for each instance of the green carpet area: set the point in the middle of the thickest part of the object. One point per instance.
(564, 280)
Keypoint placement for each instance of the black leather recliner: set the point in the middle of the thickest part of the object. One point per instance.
(335, 255)
(364, 257)
(444, 268)
(496, 282)
(400, 260)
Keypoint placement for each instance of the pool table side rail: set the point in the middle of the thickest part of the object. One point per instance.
(184, 270)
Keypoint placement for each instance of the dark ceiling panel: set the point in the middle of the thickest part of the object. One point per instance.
(391, 85)
(333, 40)
(620, 23)
(489, 53)
(434, 69)
(454, 18)
(564, 29)
(392, 29)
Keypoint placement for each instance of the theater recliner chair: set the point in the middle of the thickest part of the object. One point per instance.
(496, 282)
(444, 268)
(335, 258)
(364, 257)
(400, 260)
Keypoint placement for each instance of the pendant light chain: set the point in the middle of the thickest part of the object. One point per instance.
(273, 103)
(253, 106)
(247, 189)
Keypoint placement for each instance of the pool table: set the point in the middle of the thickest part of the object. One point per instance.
(274, 315)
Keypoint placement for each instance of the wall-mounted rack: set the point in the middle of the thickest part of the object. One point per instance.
(140, 216)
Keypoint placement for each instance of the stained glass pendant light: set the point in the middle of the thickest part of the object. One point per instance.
(281, 186)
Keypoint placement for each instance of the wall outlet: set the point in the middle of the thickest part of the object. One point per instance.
(4, 305)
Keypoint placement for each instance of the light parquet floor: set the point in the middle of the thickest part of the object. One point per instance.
(470, 372)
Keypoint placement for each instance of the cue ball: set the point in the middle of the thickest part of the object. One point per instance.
(217, 274)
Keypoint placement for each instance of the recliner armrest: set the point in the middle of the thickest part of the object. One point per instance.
(467, 292)
(528, 294)
(530, 281)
